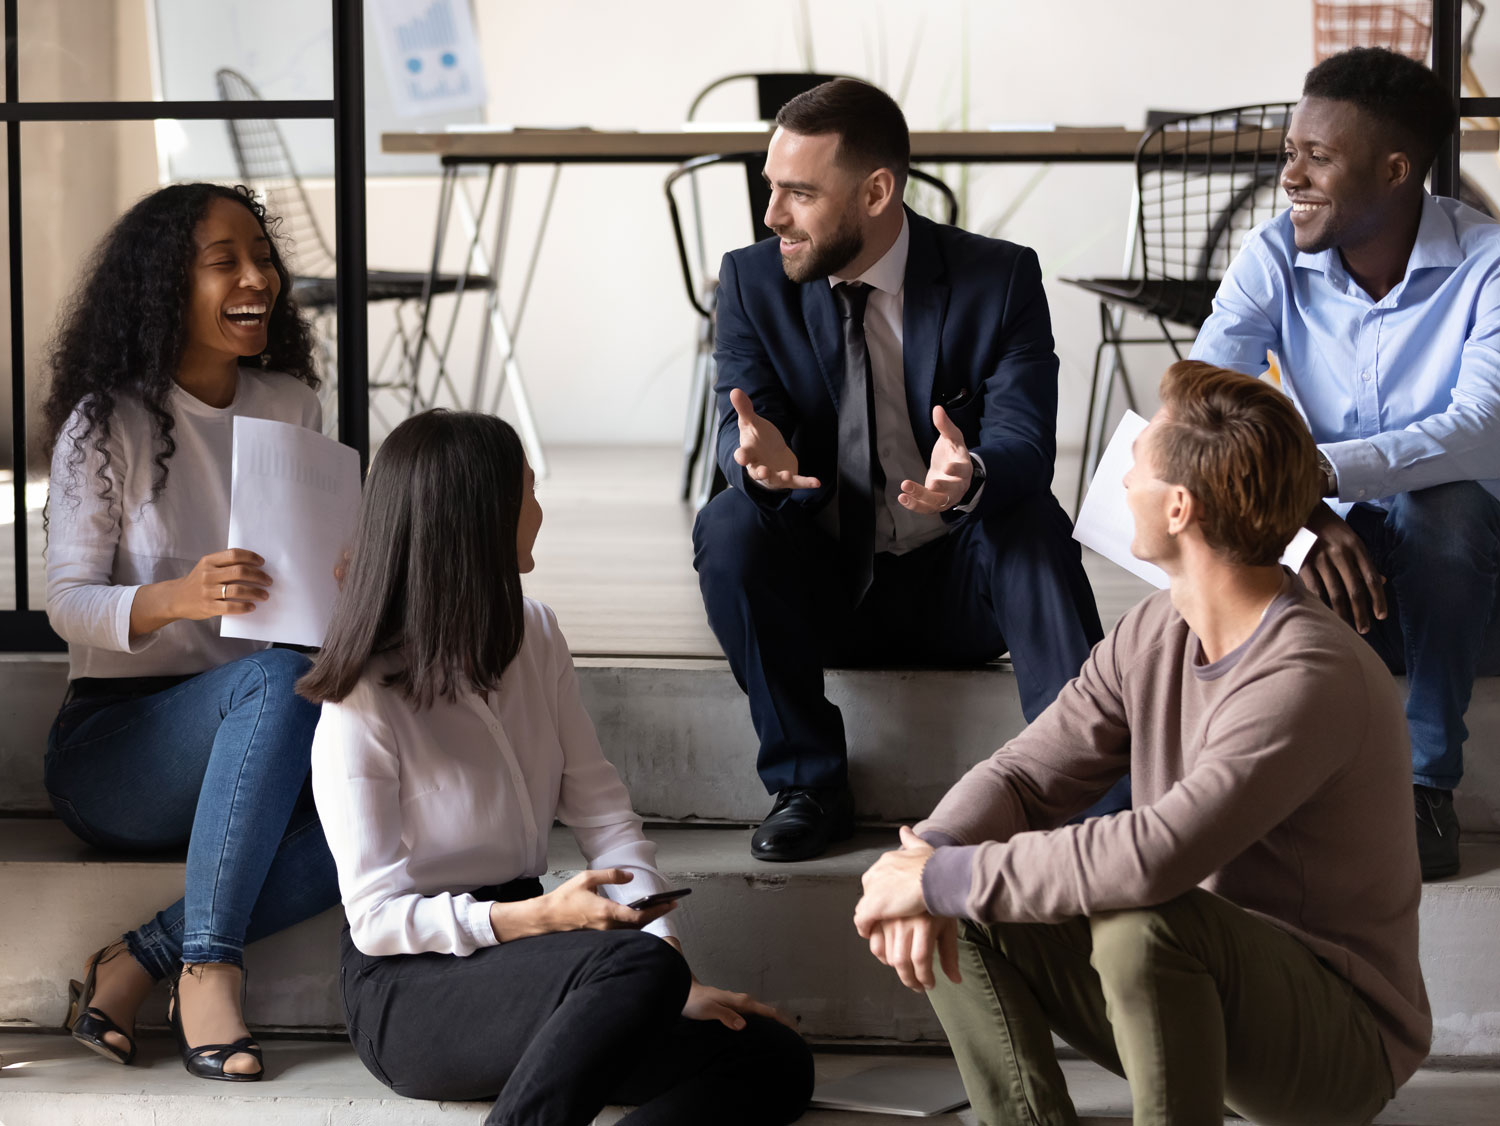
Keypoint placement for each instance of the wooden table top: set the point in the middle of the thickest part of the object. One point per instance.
(589, 146)
(600, 146)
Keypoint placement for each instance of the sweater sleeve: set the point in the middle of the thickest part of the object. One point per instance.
(356, 777)
(1266, 750)
(84, 522)
(593, 801)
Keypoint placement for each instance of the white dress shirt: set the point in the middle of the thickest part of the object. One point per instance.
(897, 528)
(107, 538)
(421, 807)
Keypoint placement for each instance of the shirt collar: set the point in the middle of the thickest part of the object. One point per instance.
(888, 274)
(1436, 246)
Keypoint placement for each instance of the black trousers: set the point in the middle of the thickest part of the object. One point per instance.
(1012, 580)
(559, 1026)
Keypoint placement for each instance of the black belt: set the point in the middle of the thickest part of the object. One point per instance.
(134, 687)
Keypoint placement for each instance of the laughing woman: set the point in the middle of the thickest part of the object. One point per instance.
(452, 735)
(171, 734)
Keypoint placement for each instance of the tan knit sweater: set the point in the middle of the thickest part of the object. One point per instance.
(1278, 777)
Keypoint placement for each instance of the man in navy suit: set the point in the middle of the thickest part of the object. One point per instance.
(888, 396)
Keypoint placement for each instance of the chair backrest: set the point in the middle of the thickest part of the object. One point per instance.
(773, 89)
(265, 164)
(752, 161)
(1203, 181)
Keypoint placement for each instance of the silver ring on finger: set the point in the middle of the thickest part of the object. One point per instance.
(223, 592)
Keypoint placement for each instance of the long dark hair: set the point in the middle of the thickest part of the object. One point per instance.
(123, 329)
(434, 570)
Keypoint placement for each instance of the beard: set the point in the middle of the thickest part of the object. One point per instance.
(823, 259)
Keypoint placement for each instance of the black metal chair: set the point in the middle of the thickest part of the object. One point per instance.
(700, 475)
(265, 163)
(1202, 182)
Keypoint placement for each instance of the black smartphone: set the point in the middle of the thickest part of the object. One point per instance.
(658, 899)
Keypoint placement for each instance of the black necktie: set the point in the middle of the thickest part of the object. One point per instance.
(860, 477)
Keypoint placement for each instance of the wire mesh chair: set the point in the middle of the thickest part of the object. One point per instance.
(1202, 182)
(265, 163)
(700, 474)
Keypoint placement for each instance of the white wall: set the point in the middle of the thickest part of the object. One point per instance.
(607, 338)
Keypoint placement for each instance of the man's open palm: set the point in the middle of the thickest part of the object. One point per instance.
(763, 451)
(948, 475)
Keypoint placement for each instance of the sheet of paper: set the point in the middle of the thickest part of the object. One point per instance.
(431, 55)
(1104, 522)
(294, 501)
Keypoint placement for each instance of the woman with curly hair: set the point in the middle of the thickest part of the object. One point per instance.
(171, 734)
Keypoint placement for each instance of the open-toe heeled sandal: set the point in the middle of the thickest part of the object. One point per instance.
(89, 1025)
(207, 1061)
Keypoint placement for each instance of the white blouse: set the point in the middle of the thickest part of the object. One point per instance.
(422, 807)
(106, 538)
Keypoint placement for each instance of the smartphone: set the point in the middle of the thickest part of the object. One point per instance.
(658, 899)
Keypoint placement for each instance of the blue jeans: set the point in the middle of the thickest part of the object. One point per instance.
(219, 762)
(1439, 550)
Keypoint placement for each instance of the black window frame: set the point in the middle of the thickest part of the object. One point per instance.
(24, 629)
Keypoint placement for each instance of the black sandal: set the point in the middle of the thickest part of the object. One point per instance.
(89, 1025)
(206, 1061)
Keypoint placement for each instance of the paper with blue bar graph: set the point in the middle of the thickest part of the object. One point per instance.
(431, 55)
(1106, 525)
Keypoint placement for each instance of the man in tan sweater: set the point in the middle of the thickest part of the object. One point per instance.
(1247, 934)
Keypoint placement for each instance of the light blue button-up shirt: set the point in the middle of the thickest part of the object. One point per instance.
(1401, 393)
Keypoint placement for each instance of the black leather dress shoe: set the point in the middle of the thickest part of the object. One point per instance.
(803, 823)
(1437, 832)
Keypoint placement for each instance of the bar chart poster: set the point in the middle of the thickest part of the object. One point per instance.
(431, 55)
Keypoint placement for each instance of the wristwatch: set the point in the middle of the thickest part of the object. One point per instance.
(1330, 478)
(975, 483)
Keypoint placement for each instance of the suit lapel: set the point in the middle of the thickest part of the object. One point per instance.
(822, 319)
(922, 325)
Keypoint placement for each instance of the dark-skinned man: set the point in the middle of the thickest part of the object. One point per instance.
(1382, 304)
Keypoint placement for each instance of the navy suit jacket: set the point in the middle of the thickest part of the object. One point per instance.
(976, 340)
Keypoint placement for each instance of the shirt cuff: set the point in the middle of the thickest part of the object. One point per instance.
(974, 502)
(123, 643)
(477, 925)
(945, 880)
(1359, 468)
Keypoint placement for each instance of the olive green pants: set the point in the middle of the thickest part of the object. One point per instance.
(1198, 1003)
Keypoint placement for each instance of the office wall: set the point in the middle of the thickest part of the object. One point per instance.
(608, 332)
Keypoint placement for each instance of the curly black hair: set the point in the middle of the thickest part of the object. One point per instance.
(1397, 91)
(106, 346)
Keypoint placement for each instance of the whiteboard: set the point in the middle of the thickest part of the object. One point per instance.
(285, 48)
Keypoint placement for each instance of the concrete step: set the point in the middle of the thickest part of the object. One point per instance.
(48, 1080)
(780, 931)
(680, 732)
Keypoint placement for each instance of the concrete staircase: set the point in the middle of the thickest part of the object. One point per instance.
(680, 733)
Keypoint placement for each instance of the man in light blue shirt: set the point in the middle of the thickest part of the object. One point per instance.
(1382, 304)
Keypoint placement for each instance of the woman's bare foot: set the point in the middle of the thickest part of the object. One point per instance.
(209, 993)
(120, 986)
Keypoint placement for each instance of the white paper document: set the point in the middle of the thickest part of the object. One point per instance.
(294, 501)
(431, 55)
(1105, 524)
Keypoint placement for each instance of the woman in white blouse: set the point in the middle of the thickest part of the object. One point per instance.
(452, 736)
(171, 734)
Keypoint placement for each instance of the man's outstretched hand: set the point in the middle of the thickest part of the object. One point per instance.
(948, 475)
(763, 451)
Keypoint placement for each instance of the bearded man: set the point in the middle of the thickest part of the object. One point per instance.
(888, 402)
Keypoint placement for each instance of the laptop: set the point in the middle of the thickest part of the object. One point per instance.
(904, 1089)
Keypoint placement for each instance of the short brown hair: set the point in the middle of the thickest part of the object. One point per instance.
(1240, 447)
(871, 128)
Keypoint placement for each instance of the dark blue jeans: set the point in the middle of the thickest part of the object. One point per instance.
(1012, 580)
(1439, 550)
(219, 762)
